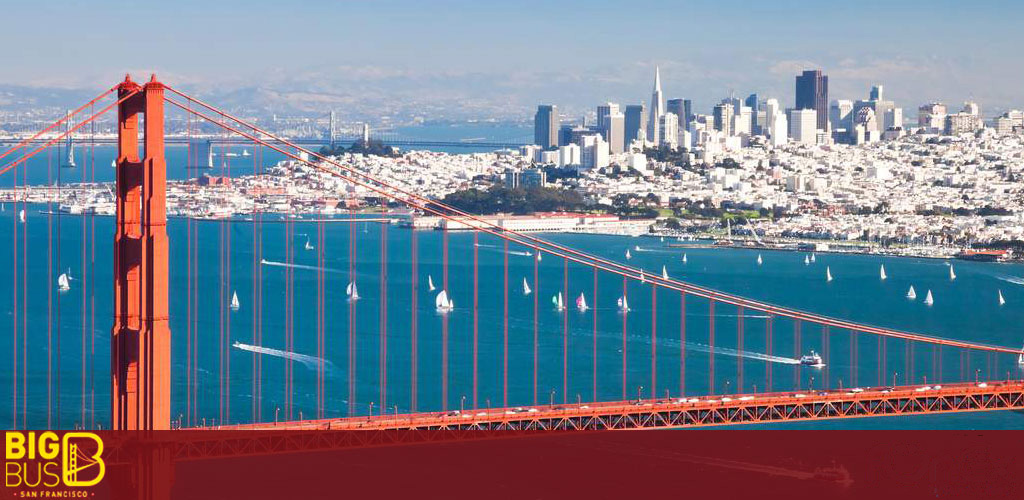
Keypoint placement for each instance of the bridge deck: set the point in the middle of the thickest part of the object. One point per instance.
(693, 412)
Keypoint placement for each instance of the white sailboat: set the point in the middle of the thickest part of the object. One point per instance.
(813, 258)
(64, 282)
(1002, 301)
(352, 291)
(881, 272)
(235, 305)
(309, 246)
(643, 279)
(21, 216)
(636, 247)
(245, 152)
(684, 258)
(662, 239)
(526, 287)
(623, 304)
(807, 260)
(443, 303)
(912, 294)
(556, 300)
(952, 275)
(430, 283)
(759, 260)
(828, 274)
(1020, 358)
(540, 256)
(581, 303)
(664, 273)
(928, 300)
(628, 256)
(113, 163)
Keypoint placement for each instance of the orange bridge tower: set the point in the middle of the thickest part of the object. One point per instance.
(141, 338)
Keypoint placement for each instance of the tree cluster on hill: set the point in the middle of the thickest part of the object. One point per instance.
(371, 147)
(519, 201)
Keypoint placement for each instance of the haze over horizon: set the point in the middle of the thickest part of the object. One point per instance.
(500, 60)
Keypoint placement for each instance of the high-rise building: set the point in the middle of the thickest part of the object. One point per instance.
(886, 114)
(688, 111)
(657, 109)
(612, 125)
(677, 106)
(743, 121)
(932, 117)
(803, 126)
(669, 130)
(593, 151)
(812, 93)
(723, 118)
(754, 105)
(841, 115)
(545, 126)
(778, 125)
(636, 120)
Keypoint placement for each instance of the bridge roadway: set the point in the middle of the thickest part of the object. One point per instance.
(692, 412)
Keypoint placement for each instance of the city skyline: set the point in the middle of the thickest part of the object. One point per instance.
(503, 69)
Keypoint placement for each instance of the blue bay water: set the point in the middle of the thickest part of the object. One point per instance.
(966, 309)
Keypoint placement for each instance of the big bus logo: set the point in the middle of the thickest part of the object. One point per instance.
(47, 460)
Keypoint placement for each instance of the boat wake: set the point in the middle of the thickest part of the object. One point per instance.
(726, 351)
(310, 362)
(500, 248)
(1016, 280)
(272, 263)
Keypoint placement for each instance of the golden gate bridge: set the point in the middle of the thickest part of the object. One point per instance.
(141, 367)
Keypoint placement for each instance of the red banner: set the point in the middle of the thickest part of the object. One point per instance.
(476, 464)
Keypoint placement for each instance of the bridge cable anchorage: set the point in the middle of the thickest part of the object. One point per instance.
(453, 214)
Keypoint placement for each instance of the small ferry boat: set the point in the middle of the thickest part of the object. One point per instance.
(812, 359)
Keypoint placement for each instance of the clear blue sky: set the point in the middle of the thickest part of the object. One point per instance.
(552, 51)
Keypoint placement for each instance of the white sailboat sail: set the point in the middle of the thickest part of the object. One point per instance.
(912, 294)
(952, 274)
(928, 300)
(881, 272)
(443, 303)
(628, 256)
(581, 302)
(828, 274)
(63, 282)
(807, 260)
(1002, 301)
(540, 256)
(21, 216)
(636, 247)
(664, 273)
(813, 258)
(1020, 358)
(623, 304)
(113, 163)
(759, 260)
(235, 305)
(352, 291)
(556, 300)
(526, 287)
(430, 283)
(309, 246)
(684, 258)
